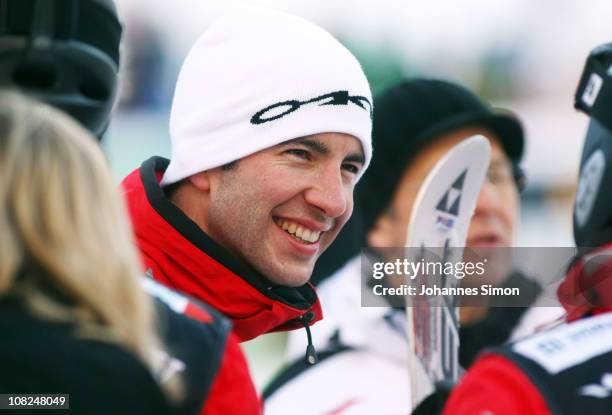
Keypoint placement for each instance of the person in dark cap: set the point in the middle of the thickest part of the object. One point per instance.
(565, 370)
(409, 116)
(363, 351)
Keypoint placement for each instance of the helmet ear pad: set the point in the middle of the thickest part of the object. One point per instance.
(71, 64)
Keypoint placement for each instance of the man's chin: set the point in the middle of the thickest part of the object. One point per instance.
(290, 278)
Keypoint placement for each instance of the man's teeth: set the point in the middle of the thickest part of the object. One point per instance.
(298, 231)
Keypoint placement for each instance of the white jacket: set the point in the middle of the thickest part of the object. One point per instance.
(370, 378)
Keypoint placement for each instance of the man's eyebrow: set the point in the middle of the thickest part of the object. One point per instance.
(322, 149)
(355, 158)
(315, 145)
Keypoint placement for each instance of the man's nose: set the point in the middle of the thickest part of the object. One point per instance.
(329, 193)
(488, 199)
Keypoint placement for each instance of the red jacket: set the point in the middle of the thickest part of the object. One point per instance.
(179, 254)
(566, 370)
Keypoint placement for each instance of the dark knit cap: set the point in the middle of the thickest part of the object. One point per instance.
(414, 113)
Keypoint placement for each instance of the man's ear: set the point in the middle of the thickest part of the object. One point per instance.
(201, 181)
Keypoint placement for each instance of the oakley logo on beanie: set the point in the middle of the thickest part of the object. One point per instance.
(333, 98)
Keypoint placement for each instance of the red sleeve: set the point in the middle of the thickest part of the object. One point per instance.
(495, 386)
(232, 391)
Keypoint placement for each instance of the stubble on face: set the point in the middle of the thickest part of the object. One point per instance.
(234, 219)
(248, 201)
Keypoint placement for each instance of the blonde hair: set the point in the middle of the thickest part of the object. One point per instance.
(66, 246)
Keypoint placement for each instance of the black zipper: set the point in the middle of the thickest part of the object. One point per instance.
(311, 354)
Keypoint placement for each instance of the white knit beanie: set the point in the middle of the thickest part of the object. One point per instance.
(257, 79)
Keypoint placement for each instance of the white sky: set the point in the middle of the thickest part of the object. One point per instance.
(445, 38)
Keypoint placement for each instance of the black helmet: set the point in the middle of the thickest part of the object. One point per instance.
(593, 204)
(63, 52)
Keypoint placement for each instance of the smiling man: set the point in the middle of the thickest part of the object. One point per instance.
(280, 208)
(270, 128)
